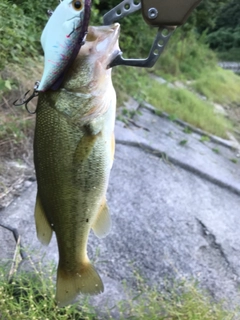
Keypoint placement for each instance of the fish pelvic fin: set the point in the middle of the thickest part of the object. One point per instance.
(44, 230)
(85, 280)
(102, 224)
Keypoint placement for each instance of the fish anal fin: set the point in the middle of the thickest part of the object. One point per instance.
(102, 223)
(85, 280)
(44, 230)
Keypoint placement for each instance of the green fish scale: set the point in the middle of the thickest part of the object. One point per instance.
(72, 175)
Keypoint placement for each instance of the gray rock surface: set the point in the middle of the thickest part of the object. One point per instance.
(229, 65)
(175, 213)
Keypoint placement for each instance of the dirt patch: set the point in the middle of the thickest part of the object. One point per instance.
(14, 178)
(16, 154)
(234, 116)
(16, 140)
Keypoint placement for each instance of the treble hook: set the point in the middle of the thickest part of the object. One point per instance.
(25, 101)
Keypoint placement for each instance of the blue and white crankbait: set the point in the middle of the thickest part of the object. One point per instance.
(61, 40)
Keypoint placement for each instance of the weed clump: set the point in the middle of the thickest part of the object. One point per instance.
(31, 296)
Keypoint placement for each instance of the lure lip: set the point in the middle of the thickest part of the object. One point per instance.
(76, 16)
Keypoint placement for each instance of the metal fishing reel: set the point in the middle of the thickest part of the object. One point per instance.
(164, 14)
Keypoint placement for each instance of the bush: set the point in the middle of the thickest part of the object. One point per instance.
(186, 55)
(227, 41)
(18, 34)
(36, 10)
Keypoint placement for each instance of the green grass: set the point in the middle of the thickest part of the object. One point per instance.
(187, 107)
(204, 139)
(186, 56)
(31, 296)
(234, 160)
(183, 302)
(183, 142)
(219, 85)
(179, 103)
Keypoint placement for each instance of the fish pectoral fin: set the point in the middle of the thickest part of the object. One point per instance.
(85, 280)
(84, 148)
(102, 224)
(44, 230)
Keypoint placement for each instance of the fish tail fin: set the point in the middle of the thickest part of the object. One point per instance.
(70, 283)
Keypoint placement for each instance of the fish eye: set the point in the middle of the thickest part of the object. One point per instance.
(77, 5)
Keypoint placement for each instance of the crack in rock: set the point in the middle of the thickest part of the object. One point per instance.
(216, 247)
(173, 160)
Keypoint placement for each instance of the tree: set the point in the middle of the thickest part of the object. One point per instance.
(229, 16)
(225, 36)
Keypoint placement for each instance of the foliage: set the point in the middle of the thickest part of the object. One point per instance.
(36, 10)
(225, 38)
(232, 54)
(225, 35)
(219, 86)
(31, 296)
(181, 300)
(17, 34)
(186, 106)
(5, 85)
(180, 103)
(186, 55)
(21, 28)
(229, 15)
(191, 305)
(207, 13)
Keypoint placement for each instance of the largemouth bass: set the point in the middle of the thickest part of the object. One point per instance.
(62, 39)
(73, 156)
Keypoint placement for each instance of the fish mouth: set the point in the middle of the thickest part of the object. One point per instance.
(109, 43)
(115, 44)
(102, 43)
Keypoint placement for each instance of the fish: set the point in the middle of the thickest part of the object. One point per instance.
(62, 39)
(73, 154)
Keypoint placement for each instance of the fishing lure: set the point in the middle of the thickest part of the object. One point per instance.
(61, 40)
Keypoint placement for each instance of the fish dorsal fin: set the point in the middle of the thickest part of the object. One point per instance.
(102, 223)
(44, 230)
